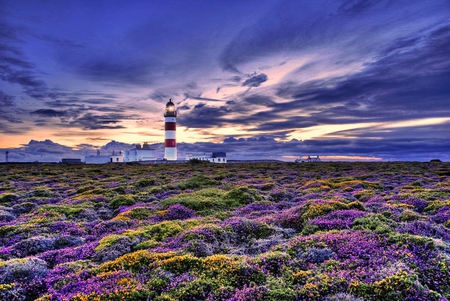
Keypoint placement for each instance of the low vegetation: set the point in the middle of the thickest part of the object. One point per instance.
(250, 231)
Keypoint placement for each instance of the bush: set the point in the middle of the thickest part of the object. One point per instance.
(204, 202)
(65, 241)
(160, 231)
(22, 270)
(339, 219)
(273, 262)
(177, 212)
(7, 198)
(109, 227)
(249, 293)
(205, 240)
(377, 223)
(141, 183)
(23, 208)
(6, 216)
(122, 200)
(196, 182)
(317, 255)
(25, 277)
(34, 245)
(113, 246)
(245, 230)
(409, 215)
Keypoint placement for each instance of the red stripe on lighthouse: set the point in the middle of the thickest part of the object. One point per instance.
(171, 143)
(170, 126)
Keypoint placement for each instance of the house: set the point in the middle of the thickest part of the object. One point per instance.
(140, 153)
(216, 157)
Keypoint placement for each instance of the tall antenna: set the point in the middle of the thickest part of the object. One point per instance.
(6, 156)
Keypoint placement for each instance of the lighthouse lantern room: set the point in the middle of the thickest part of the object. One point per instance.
(170, 150)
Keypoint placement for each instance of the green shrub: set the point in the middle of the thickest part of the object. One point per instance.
(162, 230)
(312, 210)
(140, 213)
(7, 198)
(121, 200)
(67, 210)
(377, 223)
(279, 290)
(141, 183)
(147, 244)
(364, 195)
(206, 201)
(181, 264)
(409, 216)
(196, 182)
(410, 240)
(434, 206)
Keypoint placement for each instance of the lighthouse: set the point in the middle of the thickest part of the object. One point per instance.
(170, 151)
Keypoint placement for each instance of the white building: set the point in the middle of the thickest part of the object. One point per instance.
(140, 153)
(218, 157)
(115, 157)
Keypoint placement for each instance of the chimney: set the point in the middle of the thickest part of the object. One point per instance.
(6, 156)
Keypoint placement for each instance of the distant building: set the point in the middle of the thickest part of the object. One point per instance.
(140, 153)
(217, 157)
(116, 157)
(71, 161)
(309, 159)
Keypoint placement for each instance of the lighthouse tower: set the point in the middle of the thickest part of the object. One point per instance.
(170, 151)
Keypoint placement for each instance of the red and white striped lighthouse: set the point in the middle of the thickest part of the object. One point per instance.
(170, 151)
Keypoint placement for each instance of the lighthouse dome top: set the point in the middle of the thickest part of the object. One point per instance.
(170, 109)
(170, 103)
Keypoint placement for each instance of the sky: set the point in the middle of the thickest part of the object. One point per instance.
(363, 79)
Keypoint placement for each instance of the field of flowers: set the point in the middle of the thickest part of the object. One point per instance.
(251, 231)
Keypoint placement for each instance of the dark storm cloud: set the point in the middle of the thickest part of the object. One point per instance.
(14, 67)
(255, 81)
(391, 149)
(90, 121)
(261, 100)
(6, 100)
(394, 132)
(292, 123)
(6, 128)
(9, 116)
(200, 98)
(85, 146)
(408, 76)
(84, 100)
(49, 113)
(202, 116)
